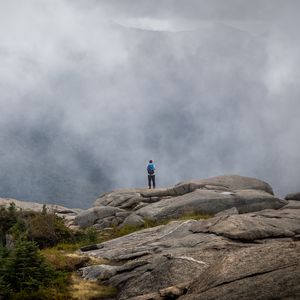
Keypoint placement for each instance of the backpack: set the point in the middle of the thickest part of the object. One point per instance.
(150, 169)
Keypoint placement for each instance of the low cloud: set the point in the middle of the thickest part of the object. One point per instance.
(91, 92)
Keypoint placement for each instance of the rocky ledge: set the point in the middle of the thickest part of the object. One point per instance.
(135, 206)
(231, 256)
(248, 249)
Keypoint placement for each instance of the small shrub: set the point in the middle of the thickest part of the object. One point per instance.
(47, 229)
(91, 235)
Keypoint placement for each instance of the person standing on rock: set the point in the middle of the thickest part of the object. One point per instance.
(151, 174)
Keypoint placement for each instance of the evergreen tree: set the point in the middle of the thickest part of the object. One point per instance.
(23, 268)
(8, 217)
(5, 289)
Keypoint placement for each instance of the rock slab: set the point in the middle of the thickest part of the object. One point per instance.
(205, 196)
(241, 256)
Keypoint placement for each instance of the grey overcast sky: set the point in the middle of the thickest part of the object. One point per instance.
(91, 90)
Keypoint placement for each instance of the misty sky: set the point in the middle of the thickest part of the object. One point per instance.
(91, 90)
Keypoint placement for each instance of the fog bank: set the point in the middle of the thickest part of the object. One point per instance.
(90, 91)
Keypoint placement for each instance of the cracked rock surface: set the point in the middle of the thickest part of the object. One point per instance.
(232, 256)
(209, 196)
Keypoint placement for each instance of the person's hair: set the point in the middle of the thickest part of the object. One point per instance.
(150, 161)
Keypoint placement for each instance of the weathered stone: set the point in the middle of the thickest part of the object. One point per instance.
(209, 196)
(90, 216)
(144, 240)
(90, 248)
(117, 198)
(152, 199)
(140, 205)
(293, 204)
(253, 226)
(135, 202)
(226, 182)
(273, 240)
(123, 214)
(159, 275)
(96, 272)
(108, 222)
(252, 200)
(162, 192)
(133, 220)
(260, 272)
(38, 207)
(211, 202)
(293, 196)
(173, 292)
(228, 212)
(132, 202)
(151, 296)
(162, 258)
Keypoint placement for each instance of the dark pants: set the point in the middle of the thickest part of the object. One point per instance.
(151, 178)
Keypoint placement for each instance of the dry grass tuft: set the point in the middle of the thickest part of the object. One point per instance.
(64, 261)
(194, 216)
(81, 289)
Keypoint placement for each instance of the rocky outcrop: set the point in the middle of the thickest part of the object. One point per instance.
(207, 196)
(293, 196)
(130, 198)
(210, 202)
(232, 256)
(260, 272)
(250, 249)
(253, 226)
(292, 204)
(136, 206)
(228, 212)
(61, 211)
(101, 217)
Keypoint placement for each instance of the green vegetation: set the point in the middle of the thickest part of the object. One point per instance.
(37, 259)
(24, 273)
(46, 229)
